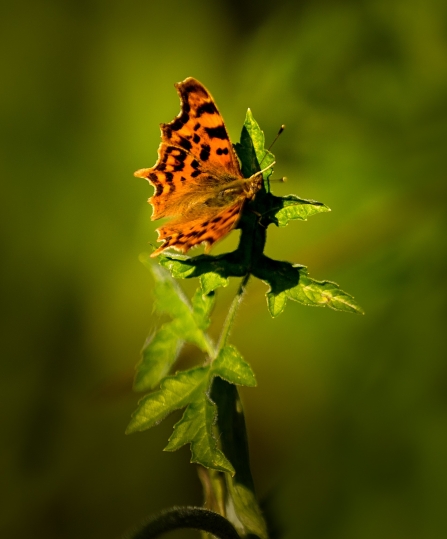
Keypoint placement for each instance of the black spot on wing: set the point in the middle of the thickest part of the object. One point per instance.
(176, 124)
(169, 176)
(205, 153)
(209, 108)
(153, 177)
(196, 138)
(222, 151)
(185, 144)
(181, 155)
(217, 132)
(195, 164)
(183, 179)
(195, 173)
(197, 126)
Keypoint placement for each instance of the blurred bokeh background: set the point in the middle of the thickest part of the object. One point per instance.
(348, 425)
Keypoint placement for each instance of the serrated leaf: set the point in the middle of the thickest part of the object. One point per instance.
(231, 366)
(251, 149)
(169, 299)
(276, 303)
(323, 294)
(285, 209)
(202, 305)
(211, 281)
(244, 504)
(213, 271)
(157, 357)
(177, 264)
(290, 281)
(176, 392)
(196, 428)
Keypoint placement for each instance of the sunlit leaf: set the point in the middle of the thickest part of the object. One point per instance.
(176, 392)
(213, 271)
(291, 281)
(202, 305)
(245, 506)
(251, 150)
(323, 294)
(157, 357)
(196, 428)
(211, 281)
(231, 366)
(170, 299)
(276, 303)
(177, 264)
(285, 209)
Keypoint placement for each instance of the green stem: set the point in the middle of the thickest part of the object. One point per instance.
(232, 313)
(211, 349)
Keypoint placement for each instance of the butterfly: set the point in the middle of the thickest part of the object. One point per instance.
(197, 178)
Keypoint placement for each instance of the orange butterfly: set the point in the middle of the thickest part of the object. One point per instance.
(197, 178)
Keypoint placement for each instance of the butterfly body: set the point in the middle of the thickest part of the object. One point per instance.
(197, 177)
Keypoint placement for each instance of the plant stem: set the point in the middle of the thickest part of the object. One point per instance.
(184, 517)
(232, 313)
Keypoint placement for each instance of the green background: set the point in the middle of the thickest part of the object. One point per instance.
(348, 424)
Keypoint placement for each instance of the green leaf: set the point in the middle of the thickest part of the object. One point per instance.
(196, 428)
(290, 281)
(292, 207)
(251, 149)
(202, 305)
(244, 504)
(211, 281)
(231, 366)
(276, 303)
(169, 299)
(158, 355)
(177, 265)
(323, 294)
(176, 392)
(213, 271)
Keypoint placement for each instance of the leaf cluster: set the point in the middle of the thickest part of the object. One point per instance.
(190, 388)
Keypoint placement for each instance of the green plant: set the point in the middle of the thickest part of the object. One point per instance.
(213, 422)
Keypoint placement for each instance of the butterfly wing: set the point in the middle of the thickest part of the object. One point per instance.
(196, 160)
(183, 234)
(200, 129)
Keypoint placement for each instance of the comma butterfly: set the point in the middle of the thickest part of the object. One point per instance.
(197, 178)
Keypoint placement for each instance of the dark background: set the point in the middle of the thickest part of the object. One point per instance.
(348, 425)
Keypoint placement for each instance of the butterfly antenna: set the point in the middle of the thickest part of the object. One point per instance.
(281, 129)
(263, 170)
